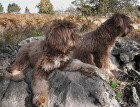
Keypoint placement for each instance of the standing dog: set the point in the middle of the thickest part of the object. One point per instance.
(97, 45)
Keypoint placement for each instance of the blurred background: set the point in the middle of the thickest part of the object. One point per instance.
(20, 19)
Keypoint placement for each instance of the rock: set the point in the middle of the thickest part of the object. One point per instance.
(4, 62)
(74, 88)
(136, 98)
(131, 97)
(138, 88)
(4, 83)
(77, 90)
(16, 95)
(134, 74)
(127, 47)
(137, 62)
(66, 88)
(30, 40)
(126, 57)
(28, 73)
(127, 54)
(7, 55)
(129, 66)
(114, 61)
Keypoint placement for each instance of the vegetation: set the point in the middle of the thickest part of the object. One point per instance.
(90, 7)
(83, 6)
(45, 7)
(16, 27)
(113, 84)
(1, 8)
(13, 8)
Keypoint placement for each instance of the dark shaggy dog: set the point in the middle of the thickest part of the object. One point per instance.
(47, 55)
(97, 45)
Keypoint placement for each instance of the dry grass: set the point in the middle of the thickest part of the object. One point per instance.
(16, 27)
(136, 19)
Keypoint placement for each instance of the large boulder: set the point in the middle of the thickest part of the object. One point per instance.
(77, 90)
(16, 95)
(72, 89)
(67, 89)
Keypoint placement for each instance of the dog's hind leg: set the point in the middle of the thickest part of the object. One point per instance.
(40, 88)
(113, 67)
(102, 61)
(19, 66)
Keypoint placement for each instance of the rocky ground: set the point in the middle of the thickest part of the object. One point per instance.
(75, 89)
(127, 55)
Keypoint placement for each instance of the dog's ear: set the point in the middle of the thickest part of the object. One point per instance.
(57, 40)
(127, 24)
(77, 39)
(118, 20)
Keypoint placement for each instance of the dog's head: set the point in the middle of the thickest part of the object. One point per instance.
(121, 23)
(62, 35)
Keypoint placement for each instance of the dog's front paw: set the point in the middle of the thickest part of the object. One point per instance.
(113, 67)
(40, 100)
(111, 75)
(17, 76)
(88, 70)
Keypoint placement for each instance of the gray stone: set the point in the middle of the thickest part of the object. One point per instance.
(4, 62)
(126, 47)
(129, 66)
(16, 95)
(4, 83)
(114, 61)
(131, 96)
(67, 89)
(134, 74)
(7, 55)
(136, 98)
(138, 88)
(73, 89)
(30, 40)
(126, 57)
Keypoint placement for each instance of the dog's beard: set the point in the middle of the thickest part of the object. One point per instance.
(127, 30)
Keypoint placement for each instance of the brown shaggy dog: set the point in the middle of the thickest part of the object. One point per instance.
(47, 55)
(97, 45)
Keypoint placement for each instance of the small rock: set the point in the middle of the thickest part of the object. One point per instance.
(30, 40)
(136, 98)
(126, 57)
(129, 66)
